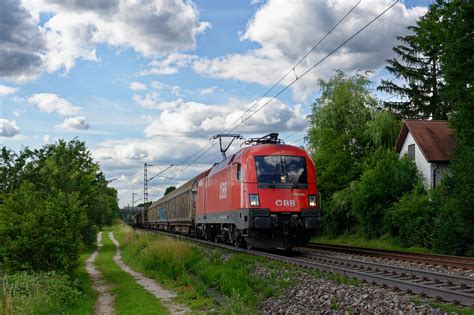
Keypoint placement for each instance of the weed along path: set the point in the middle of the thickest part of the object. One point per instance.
(105, 300)
(165, 296)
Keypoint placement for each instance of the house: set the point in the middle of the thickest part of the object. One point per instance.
(429, 143)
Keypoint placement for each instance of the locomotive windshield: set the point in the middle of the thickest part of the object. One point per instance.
(281, 171)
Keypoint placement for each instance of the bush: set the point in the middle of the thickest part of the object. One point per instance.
(383, 182)
(40, 233)
(449, 231)
(338, 217)
(412, 219)
(42, 293)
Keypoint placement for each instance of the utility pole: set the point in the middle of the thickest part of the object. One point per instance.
(145, 183)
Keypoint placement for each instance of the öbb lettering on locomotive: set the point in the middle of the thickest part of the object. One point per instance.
(263, 196)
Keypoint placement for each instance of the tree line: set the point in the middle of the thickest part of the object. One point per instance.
(52, 202)
(366, 188)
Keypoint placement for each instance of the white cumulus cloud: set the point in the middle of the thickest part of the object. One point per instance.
(201, 120)
(152, 28)
(7, 90)
(53, 103)
(286, 30)
(74, 123)
(207, 91)
(169, 65)
(137, 86)
(8, 128)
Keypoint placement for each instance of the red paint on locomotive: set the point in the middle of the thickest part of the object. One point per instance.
(263, 196)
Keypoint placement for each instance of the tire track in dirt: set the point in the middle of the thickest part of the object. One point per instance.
(105, 301)
(165, 296)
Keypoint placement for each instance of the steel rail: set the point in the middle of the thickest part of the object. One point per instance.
(423, 274)
(433, 259)
(446, 294)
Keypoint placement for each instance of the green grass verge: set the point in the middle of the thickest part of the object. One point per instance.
(446, 308)
(48, 293)
(385, 242)
(130, 297)
(245, 281)
(89, 295)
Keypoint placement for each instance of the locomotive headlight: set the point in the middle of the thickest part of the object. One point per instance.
(312, 200)
(254, 202)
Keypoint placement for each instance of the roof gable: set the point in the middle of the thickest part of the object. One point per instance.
(434, 138)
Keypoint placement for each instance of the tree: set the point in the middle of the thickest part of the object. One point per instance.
(383, 182)
(53, 199)
(419, 68)
(169, 189)
(41, 233)
(456, 24)
(337, 130)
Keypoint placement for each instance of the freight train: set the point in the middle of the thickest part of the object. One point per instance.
(263, 196)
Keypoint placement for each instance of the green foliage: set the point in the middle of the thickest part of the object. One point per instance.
(383, 129)
(53, 200)
(412, 218)
(456, 24)
(169, 189)
(337, 131)
(338, 216)
(42, 293)
(448, 232)
(385, 180)
(418, 67)
(41, 233)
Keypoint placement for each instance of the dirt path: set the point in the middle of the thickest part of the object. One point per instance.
(165, 296)
(105, 301)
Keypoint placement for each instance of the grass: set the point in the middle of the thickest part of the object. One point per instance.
(89, 295)
(130, 297)
(447, 308)
(385, 242)
(48, 293)
(244, 280)
(38, 293)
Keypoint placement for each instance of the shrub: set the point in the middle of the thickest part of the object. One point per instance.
(42, 293)
(449, 231)
(412, 219)
(40, 233)
(338, 217)
(383, 182)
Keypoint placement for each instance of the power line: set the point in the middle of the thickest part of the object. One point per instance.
(243, 120)
(297, 140)
(211, 144)
(296, 64)
(316, 64)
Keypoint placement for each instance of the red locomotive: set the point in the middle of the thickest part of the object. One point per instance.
(263, 196)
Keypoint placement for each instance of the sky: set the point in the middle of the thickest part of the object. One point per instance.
(150, 81)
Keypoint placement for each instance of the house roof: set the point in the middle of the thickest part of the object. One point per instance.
(435, 139)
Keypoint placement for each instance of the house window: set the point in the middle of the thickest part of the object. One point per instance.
(411, 152)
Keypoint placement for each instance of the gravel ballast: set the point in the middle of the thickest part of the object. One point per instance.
(318, 295)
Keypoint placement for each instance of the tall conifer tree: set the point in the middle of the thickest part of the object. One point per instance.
(418, 67)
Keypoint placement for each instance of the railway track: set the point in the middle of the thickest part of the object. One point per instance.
(440, 286)
(431, 259)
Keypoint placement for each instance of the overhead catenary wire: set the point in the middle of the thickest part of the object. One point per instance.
(204, 150)
(316, 64)
(292, 69)
(242, 120)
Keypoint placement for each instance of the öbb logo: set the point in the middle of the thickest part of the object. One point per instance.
(223, 190)
(285, 203)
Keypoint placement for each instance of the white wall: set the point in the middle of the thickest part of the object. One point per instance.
(423, 166)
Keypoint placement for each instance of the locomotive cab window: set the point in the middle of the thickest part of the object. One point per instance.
(281, 171)
(238, 169)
